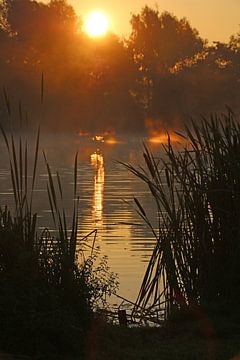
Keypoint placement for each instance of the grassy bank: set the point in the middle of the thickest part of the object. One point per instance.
(186, 343)
(178, 341)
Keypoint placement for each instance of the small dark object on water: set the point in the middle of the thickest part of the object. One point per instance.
(122, 317)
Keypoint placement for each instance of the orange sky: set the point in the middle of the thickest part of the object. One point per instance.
(215, 20)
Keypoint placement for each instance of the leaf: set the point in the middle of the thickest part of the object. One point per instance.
(139, 206)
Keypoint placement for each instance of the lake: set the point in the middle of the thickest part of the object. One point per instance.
(106, 191)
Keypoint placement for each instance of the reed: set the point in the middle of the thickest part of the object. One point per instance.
(45, 290)
(87, 278)
(197, 193)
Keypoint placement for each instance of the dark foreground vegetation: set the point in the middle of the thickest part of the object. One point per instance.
(191, 287)
(196, 189)
(177, 342)
(157, 76)
(192, 278)
(49, 289)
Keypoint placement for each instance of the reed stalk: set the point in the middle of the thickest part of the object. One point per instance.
(197, 193)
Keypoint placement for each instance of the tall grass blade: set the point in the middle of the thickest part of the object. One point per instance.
(42, 88)
(7, 101)
(196, 191)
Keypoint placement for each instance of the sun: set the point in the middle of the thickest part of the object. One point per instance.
(97, 24)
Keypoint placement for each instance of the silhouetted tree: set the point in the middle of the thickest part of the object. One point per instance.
(88, 82)
(157, 42)
(40, 28)
(212, 81)
(3, 16)
(111, 79)
(164, 70)
(41, 38)
(234, 45)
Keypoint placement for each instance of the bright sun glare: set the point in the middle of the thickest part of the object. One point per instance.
(97, 24)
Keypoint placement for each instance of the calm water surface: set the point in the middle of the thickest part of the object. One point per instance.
(104, 187)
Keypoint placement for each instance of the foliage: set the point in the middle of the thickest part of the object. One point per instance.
(47, 296)
(158, 41)
(196, 190)
(163, 70)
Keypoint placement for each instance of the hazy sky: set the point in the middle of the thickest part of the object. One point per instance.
(215, 20)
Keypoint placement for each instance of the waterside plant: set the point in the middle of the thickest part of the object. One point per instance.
(48, 293)
(196, 187)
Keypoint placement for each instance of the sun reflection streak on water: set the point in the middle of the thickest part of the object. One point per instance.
(106, 191)
(97, 161)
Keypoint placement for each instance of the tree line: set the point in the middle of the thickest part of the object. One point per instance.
(163, 72)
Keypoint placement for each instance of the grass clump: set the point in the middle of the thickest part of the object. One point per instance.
(47, 294)
(194, 266)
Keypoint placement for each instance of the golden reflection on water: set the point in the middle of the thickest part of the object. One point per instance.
(103, 187)
(97, 162)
